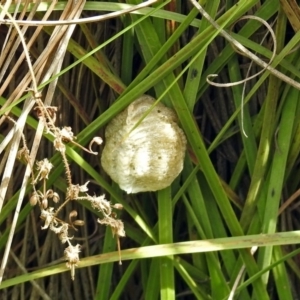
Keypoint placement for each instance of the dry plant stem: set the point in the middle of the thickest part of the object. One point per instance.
(7, 174)
(239, 276)
(15, 134)
(5, 8)
(244, 50)
(288, 202)
(11, 48)
(83, 148)
(62, 49)
(119, 250)
(55, 68)
(271, 31)
(18, 126)
(36, 286)
(4, 159)
(251, 63)
(67, 169)
(21, 58)
(22, 137)
(22, 86)
(33, 227)
(2, 14)
(4, 47)
(25, 47)
(85, 20)
(40, 63)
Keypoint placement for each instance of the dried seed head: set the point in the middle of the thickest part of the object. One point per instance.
(118, 206)
(48, 216)
(63, 235)
(83, 188)
(72, 257)
(71, 254)
(98, 140)
(34, 199)
(59, 145)
(101, 204)
(73, 214)
(78, 223)
(23, 153)
(117, 226)
(45, 203)
(44, 167)
(50, 110)
(55, 198)
(67, 134)
(73, 191)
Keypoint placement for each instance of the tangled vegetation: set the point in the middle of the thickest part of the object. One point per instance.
(227, 226)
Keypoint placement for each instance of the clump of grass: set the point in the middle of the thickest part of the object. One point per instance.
(196, 236)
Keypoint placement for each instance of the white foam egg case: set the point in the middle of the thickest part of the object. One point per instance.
(149, 157)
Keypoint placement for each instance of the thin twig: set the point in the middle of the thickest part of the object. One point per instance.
(24, 47)
(244, 50)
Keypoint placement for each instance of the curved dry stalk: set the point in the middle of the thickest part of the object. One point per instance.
(244, 50)
(271, 31)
